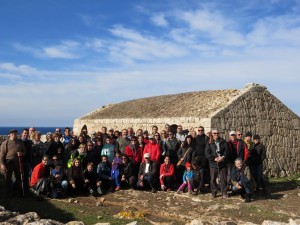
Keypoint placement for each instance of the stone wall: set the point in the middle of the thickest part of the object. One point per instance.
(143, 123)
(260, 112)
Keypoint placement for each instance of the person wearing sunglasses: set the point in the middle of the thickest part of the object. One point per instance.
(217, 154)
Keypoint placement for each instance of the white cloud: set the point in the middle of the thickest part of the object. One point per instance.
(133, 46)
(66, 50)
(159, 20)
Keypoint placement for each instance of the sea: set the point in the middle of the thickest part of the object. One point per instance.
(43, 130)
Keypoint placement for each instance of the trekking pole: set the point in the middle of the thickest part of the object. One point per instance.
(218, 152)
(20, 154)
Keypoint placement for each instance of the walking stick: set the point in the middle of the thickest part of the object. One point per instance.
(20, 155)
(219, 154)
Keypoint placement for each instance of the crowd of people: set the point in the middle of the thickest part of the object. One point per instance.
(95, 163)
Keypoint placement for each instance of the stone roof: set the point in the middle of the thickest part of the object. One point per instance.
(195, 104)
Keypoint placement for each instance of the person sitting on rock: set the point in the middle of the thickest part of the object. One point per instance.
(147, 174)
(241, 180)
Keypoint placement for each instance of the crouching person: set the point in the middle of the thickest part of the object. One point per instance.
(128, 178)
(58, 176)
(75, 177)
(104, 175)
(196, 180)
(148, 174)
(91, 180)
(41, 182)
(241, 180)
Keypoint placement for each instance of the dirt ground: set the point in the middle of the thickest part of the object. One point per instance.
(282, 204)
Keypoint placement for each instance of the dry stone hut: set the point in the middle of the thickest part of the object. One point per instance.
(252, 108)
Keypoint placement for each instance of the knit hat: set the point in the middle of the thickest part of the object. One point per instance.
(256, 136)
(248, 134)
(187, 164)
(146, 155)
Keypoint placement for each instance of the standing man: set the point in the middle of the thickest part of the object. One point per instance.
(11, 150)
(122, 141)
(217, 154)
(27, 159)
(199, 155)
(180, 135)
(258, 155)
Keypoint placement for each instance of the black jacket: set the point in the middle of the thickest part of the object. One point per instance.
(211, 153)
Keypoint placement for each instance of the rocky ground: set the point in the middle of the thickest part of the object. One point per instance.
(142, 207)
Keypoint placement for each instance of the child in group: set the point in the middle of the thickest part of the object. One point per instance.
(104, 172)
(91, 180)
(196, 181)
(115, 170)
(187, 176)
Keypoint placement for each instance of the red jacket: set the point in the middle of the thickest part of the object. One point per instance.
(39, 171)
(154, 150)
(166, 171)
(241, 150)
(135, 156)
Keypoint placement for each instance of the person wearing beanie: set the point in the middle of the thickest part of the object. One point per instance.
(187, 176)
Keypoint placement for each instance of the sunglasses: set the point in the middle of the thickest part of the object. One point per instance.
(215, 133)
(200, 130)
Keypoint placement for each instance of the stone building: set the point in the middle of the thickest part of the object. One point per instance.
(252, 108)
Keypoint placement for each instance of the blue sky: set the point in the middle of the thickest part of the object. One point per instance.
(62, 59)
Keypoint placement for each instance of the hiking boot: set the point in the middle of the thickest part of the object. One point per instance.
(265, 191)
(118, 188)
(243, 196)
(214, 194)
(248, 198)
(153, 190)
(190, 192)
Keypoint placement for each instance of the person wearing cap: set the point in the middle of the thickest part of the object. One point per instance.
(122, 141)
(153, 148)
(248, 141)
(148, 174)
(258, 155)
(11, 150)
(217, 154)
(145, 136)
(237, 149)
(111, 134)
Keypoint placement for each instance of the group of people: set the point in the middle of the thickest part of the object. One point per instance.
(109, 160)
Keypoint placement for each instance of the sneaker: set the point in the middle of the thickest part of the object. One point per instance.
(153, 190)
(99, 190)
(248, 198)
(169, 189)
(225, 196)
(163, 187)
(118, 188)
(92, 192)
(178, 192)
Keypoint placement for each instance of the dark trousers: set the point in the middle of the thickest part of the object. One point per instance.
(148, 180)
(214, 173)
(12, 167)
(168, 181)
(246, 185)
(257, 171)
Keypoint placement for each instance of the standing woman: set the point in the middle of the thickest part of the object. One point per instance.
(185, 154)
(56, 147)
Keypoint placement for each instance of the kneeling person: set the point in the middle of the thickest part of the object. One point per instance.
(241, 180)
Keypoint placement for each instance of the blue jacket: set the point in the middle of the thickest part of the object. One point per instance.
(187, 175)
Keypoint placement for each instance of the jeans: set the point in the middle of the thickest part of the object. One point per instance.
(115, 176)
